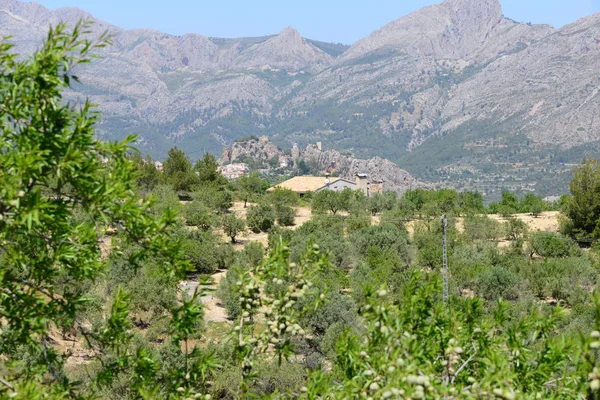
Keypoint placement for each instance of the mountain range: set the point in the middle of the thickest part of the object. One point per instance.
(455, 93)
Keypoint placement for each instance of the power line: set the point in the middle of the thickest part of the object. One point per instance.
(445, 259)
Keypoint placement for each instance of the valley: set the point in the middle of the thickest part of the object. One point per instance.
(454, 93)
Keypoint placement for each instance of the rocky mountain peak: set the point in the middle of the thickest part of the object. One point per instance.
(288, 50)
(475, 12)
(289, 38)
(289, 32)
(475, 5)
(452, 29)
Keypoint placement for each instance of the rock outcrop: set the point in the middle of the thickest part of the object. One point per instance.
(377, 169)
(261, 150)
(325, 161)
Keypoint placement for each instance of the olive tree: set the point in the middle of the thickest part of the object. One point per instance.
(233, 226)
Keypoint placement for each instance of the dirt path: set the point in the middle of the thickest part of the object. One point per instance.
(213, 311)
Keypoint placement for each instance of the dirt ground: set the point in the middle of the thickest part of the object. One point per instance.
(545, 222)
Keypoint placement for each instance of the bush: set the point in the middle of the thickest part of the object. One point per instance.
(482, 228)
(338, 309)
(225, 255)
(151, 294)
(554, 245)
(333, 224)
(277, 234)
(506, 211)
(378, 269)
(358, 219)
(165, 198)
(199, 215)
(286, 215)
(260, 218)
(468, 260)
(515, 229)
(283, 197)
(252, 255)
(560, 278)
(201, 250)
(214, 197)
(495, 283)
(331, 337)
(227, 292)
(384, 238)
(338, 249)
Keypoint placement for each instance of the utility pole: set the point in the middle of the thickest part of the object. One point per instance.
(445, 259)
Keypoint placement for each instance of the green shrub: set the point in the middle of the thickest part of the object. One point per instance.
(225, 255)
(515, 229)
(227, 292)
(333, 224)
(283, 197)
(165, 198)
(286, 215)
(338, 249)
(260, 218)
(554, 245)
(358, 219)
(279, 235)
(495, 283)
(200, 250)
(482, 228)
(561, 279)
(383, 237)
(199, 215)
(215, 197)
(252, 255)
(337, 309)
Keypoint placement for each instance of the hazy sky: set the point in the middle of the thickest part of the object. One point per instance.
(329, 20)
